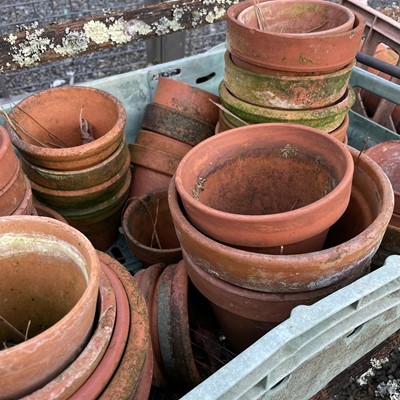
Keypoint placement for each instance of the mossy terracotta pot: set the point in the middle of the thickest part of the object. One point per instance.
(266, 186)
(307, 52)
(306, 17)
(387, 156)
(78, 179)
(104, 113)
(326, 118)
(149, 230)
(348, 250)
(9, 163)
(50, 277)
(188, 99)
(176, 124)
(286, 92)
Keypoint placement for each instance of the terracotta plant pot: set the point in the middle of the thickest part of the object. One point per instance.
(187, 99)
(325, 118)
(44, 211)
(349, 248)
(9, 163)
(43, 259)
(78, 179)
(73, 377)
(176, 124)
(310, 17)
(387, 156)
(134, 371)
(341, 132)
(292, 52)
(286, 92)
(105, 114)
(266, 186)
(149, 230)
(26, 206)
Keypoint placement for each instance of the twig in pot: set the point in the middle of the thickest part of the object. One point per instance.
(86, 129)
(221, 107)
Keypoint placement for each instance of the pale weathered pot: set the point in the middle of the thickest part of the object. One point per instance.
(149, 230)
(36, 114)
(176, 124)
(50, 276)
(9, 163)
(306, 17)
(286, 92)
(78, 179)
(292, 52)
(266, 186)
(188, 99)
(351, 242)
(326, 118)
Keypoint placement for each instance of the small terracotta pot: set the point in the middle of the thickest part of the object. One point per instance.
(134, 372)
(13, 193)
(325, 118)
(286, 92)
(310, 17)
(187, 99)
(340, 133)
(105, 114)
(78, 179)
(387, 156)
(73, 377)
(145, 180)
(43, 259)
(44, 211)
(349, 248)
(266, 186)
(26, 206)
(9, 163)
(292, 52)
(149, 230)
(176, 124)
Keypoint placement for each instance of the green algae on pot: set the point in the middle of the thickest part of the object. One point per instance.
(326, 118)
(104, 113)
(286, 91)
(350, 246)
(50, 277)
(266, 186)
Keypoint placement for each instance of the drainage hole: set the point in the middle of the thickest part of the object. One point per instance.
(206, 78)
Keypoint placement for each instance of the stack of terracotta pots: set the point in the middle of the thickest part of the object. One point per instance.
(74, 323)
(72, 146)
(179, 117)
(294, 68)
(15, 189)
(270, 216)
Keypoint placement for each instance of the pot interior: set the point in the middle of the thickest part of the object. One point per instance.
(39, 286)
(274, 181)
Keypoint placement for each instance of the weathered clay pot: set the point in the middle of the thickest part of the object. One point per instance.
(149, 230)
(72, 378)
(26, 206)
(105, 114)
(286, 92)
(43, 259)
(325, 118)
(44, 211)
(349, 248)
(387, 156)
(134, 371)
(310, 17)
(9, 163)
(176, 124)
(78, 179)
(187, 99)
(266, 186)
(292, 52)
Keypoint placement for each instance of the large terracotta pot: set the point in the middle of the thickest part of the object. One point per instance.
(350, 245)
(36, 114)
(309, 17)
(292, 52)
(266, 186)
(286, 91)
(149, 230)
(50, 276)
(188, 99)
(9, 163)
(176, 124)
(325, 118)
